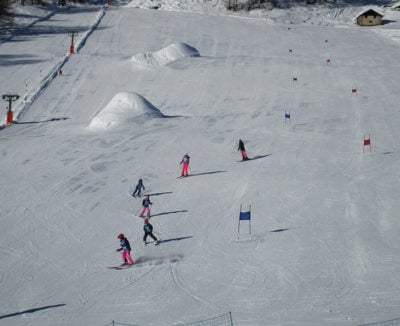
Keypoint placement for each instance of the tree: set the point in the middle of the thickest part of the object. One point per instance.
(232, 5)
(5, 14)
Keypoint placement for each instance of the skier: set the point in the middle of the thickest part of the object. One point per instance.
(148, 231)
(185, 165)
(146, 206)
(138, 188)
(242, 150)
(126, 250)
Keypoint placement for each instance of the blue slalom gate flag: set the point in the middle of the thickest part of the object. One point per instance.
(287, 117)
(244, 216)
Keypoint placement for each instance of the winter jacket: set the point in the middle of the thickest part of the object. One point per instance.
(147, 228)
(140, 185)
(185, 159)
(125, 244)
(146, 202)
(241, 145)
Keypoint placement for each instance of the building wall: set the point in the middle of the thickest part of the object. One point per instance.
(369, 20)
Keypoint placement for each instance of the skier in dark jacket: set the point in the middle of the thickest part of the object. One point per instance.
(146, 206)
(185, 165)
(138, 188)
(148, 231)
(242, 150)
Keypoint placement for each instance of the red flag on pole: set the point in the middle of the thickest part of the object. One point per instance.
(367, 142)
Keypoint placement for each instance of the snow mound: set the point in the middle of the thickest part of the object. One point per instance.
(166, 55)
(124, 108)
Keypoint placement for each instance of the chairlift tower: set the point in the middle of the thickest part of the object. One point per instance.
(72, 46)
(10, 98)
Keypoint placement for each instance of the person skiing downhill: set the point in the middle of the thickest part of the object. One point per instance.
(185, 165)
(148, 231)
(138, 188)
(126, 250)
(146, 206)
(242, 150)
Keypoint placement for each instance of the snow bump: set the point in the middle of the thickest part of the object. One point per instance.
(124, 108)
(167, 55)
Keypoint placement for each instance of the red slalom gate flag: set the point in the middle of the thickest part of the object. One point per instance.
(367, 142)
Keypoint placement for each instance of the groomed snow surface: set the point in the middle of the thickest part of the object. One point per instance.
(147, 86)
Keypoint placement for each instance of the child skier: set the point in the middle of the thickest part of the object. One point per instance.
(146, 206)
(138, 188)
(242, 150)
(126, 250)
(148, 231)
(185, 165)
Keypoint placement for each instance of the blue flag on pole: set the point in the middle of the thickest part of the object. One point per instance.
(244, 216)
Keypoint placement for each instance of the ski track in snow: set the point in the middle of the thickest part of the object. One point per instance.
(179, 283)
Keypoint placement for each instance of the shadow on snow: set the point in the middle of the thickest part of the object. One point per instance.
(176, 239)
(160, 193)
(259, 156)
(279, 230)
(31, 122)
(204, 173)
(171, 212)
(18, 59)
(29, 311)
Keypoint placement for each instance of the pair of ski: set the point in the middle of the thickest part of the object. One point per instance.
(134, 196)
(123, 266)
(142, 216)
(182, 176)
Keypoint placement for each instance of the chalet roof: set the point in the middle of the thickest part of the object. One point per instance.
(376, 10)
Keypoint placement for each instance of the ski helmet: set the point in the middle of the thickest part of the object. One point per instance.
(121, 236)
(147, 195)
(146, 220)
